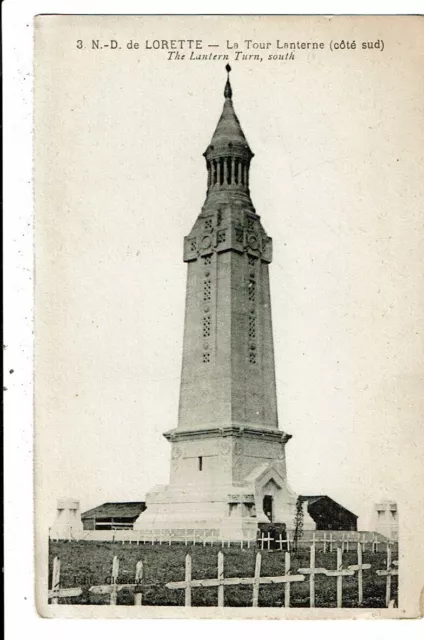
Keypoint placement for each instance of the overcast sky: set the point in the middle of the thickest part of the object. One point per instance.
(120, 180)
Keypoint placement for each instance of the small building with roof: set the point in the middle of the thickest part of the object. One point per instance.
(112, 516)
(329, 515)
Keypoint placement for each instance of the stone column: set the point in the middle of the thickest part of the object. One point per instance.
(233, 170)
(240, 172)
(209, 173)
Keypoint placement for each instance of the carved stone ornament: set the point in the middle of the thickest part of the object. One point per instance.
(176, 453)
(238, 447)
(206, 242)
(253, 242)
(225, 446)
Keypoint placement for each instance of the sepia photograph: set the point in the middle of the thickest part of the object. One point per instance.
(228, 316)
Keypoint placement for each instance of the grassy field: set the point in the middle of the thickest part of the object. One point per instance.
(89, 563)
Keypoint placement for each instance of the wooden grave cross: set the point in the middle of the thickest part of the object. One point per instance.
(285, 579)
(56, 592)
(375, 544)
(347, 542)
(207, 538)
(391, 570)
(188, 584)
(256, 578)
(138, 597)
(281, 541)
(312, 571)
(339, 573)
(267, 539)
(290, 579)
(113, 588)
(360, 567)
(249, 539)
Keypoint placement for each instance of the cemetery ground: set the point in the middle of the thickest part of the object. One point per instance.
(88, 563)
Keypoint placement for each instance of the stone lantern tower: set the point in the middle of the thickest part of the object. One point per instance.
(228, 468)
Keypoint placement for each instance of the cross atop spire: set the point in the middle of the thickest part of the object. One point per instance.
(228, 92)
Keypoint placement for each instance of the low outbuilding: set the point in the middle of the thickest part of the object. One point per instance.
(112, 516)
(329, 515)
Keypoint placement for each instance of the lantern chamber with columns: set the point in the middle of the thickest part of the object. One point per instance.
(228, 469)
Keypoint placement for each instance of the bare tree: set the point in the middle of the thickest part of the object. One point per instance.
(298, 523)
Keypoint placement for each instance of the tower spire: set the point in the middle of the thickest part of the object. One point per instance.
(228, 156)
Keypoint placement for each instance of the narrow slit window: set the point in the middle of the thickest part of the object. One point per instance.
(208, 165)
(215, 172)
(200, 463)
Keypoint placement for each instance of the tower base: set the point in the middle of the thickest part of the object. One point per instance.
(232, 512)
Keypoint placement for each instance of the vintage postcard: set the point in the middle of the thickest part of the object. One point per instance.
(229, 316)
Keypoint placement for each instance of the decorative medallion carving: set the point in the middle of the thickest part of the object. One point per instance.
(176, 453)
(253, 242)
(238, 448)
(225, 446)
(281, 454)
(206, 242)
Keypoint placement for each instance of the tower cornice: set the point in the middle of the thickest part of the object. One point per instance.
(236, 430)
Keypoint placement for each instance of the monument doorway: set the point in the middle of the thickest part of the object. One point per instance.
(268, 507)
